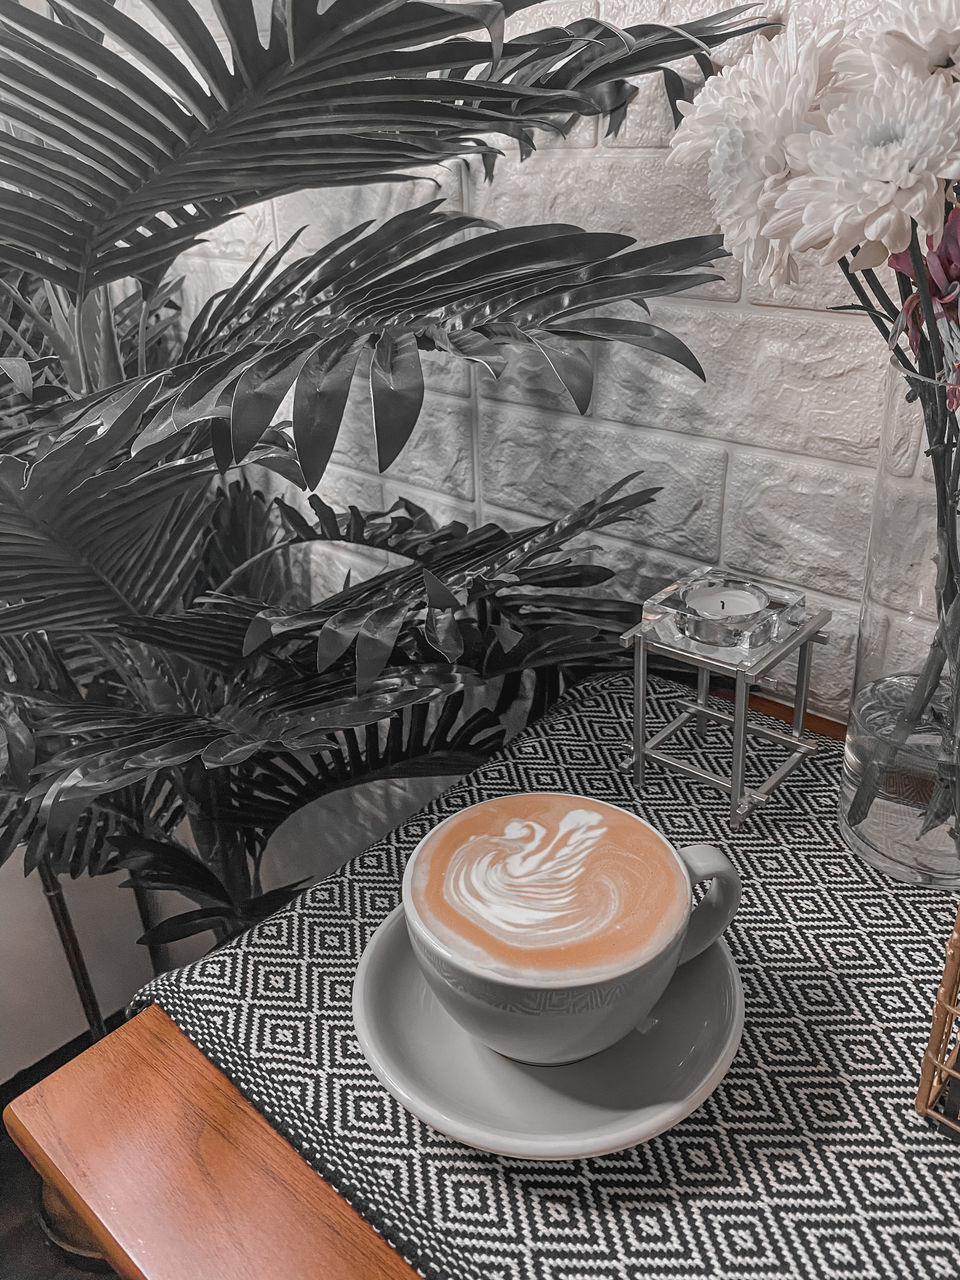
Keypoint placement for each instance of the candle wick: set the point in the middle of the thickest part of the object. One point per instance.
(722, 606)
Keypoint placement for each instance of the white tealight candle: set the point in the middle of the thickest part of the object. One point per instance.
(728, 603)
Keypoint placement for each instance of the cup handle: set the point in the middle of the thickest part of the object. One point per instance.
(712, 915)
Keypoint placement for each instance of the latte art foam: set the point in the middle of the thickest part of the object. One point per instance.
(543, 883)
(527, 888)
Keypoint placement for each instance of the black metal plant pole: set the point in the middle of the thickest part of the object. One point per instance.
(71, 949)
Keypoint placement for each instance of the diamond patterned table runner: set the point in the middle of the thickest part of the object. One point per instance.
(807, 1163)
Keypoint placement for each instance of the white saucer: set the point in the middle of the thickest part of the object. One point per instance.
(628, 1094)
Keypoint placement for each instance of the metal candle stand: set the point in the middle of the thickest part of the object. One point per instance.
(688, 621)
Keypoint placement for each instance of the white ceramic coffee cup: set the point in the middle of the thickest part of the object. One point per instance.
(552, 1021)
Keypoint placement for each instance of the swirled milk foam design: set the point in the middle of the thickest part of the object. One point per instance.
(545, 886)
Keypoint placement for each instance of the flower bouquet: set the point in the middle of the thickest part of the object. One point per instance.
(845, 148)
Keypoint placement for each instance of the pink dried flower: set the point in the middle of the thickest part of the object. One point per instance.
(943, 278)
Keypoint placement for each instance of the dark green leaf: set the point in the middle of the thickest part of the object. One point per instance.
(439, 595)
(119, 157)
(187, 925)
(319, 402)
(571, 366)
(375, 641)
(260, 391)
(266, 904)
(338, 635)
(637, 334)
(172, 864)
(18, 371)
(20, 747)
(396, 388)
(442, 632)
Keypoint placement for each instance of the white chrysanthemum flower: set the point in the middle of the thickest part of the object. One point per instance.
(921, 35)
(880, 160)
(740, 122)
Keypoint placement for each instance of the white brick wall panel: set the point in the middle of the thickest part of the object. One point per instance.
(553, 13)
(204, 276)
(539, 461)
(325, 215)
(343, 487)
(797, 521)
(442, 372)
(783, 380)
(639, 568)
(243, 236)
(818, 289)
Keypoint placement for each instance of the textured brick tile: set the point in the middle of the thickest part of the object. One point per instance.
(790, 381)
(537, 460)
(797, 521)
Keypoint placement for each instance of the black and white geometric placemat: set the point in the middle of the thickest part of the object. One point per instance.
(807, 1163)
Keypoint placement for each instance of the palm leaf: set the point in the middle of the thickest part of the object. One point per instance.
(120, 157)
(51, 670)
(38, 353)
(472, 566)
(85, 545)
(415, 283)
(390, 651)
(115, 747)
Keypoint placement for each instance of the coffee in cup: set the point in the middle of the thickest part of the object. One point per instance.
(548, 925)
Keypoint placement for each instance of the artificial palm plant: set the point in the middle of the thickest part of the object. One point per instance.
(172, 691)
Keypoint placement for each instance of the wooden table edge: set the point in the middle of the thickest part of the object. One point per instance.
(202, 1158)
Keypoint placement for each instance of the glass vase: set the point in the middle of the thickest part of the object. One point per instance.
(900, 753)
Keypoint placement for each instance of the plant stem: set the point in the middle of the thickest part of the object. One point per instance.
(71, 948)
(85, 386)
(24, 346)
(142, 336)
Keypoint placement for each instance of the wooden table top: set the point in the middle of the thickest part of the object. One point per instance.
(177, 1177)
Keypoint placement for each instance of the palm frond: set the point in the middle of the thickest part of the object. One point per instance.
(51, 671)
(122, 152)
(427, 279)
(42, 364)
(88, 542)
(473, 565)
(410, 638)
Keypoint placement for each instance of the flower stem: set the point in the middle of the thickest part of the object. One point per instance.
(936, 420)
(881, 295)
(926, 686)
(866, 302)
(942, 441)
